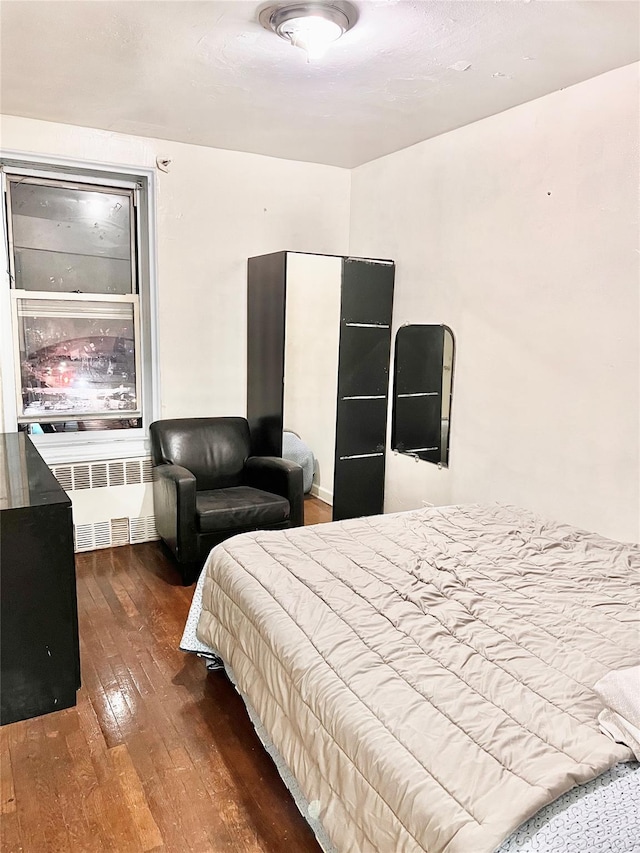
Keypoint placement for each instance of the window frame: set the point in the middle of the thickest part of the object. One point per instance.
(99, 444)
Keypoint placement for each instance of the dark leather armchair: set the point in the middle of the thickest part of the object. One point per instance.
(207, 486)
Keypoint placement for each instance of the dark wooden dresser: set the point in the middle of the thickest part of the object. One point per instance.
(39, 651)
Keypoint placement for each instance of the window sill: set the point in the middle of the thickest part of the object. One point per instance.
(64, 449)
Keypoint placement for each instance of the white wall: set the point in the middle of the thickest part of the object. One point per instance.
(521, 233)
(215, 209)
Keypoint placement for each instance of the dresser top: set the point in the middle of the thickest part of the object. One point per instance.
(25, 479)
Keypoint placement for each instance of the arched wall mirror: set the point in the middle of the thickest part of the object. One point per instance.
(422, 391)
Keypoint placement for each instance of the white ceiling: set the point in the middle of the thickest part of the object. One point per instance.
(208, 73)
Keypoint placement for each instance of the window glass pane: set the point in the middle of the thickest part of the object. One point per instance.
(64, 273)
(77, 358)
(68, 239)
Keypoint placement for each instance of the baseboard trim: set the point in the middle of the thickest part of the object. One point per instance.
(323, 494)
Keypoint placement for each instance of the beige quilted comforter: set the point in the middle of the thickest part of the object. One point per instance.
(428, 676)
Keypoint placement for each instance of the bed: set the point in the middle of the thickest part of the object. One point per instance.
(425, 679)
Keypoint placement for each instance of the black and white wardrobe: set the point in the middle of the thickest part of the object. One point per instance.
(319, 337)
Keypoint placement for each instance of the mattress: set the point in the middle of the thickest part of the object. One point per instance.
(427, 677)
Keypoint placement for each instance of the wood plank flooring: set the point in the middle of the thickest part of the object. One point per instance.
(157, 755)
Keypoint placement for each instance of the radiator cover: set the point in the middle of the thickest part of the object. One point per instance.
(112, 502)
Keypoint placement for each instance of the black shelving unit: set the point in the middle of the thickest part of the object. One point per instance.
(363, 373)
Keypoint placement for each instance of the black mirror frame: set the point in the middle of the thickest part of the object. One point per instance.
(436, 444)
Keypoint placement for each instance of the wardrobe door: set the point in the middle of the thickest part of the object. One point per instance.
(363, 381)
(265, 351)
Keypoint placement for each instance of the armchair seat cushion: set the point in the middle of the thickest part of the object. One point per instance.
(238, 507)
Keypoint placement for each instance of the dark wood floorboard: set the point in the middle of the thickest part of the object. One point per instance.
(157, 755)
(316, 511)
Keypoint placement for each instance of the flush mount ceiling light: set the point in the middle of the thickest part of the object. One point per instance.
(311, 26)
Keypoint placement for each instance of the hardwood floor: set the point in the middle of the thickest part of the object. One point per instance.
(316, 511)
(157, 755)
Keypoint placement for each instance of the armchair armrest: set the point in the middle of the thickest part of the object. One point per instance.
(280, 476)
(174, 498)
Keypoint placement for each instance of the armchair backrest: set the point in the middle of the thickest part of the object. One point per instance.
(213, 449)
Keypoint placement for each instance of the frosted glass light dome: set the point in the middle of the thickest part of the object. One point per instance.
(311, 26)
(312, 33)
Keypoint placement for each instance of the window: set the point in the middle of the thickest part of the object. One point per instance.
(78, 263)
(77, 363)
